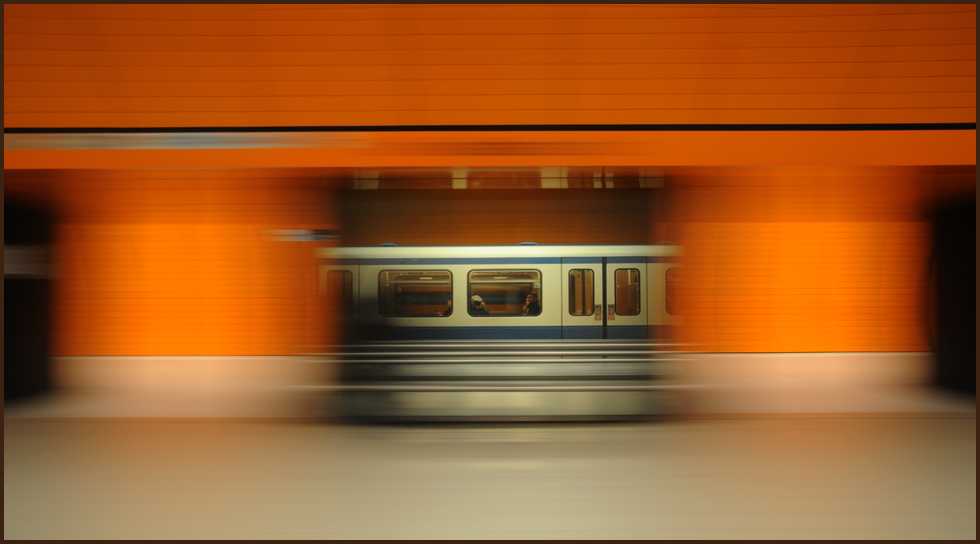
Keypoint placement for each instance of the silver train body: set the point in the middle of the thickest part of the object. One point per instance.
(498, 333)
(591, 292)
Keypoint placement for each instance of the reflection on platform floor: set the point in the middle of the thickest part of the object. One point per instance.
(872, 477)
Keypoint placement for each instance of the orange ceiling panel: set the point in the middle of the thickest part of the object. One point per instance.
(254, 65)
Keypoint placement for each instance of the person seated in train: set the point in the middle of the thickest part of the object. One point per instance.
(478, 307)
(448, 310)
(532, 306)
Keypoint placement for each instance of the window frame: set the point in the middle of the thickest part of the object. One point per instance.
(670, 290)
(381, 291)
(536, 290)
(571, 295)
(639, 294)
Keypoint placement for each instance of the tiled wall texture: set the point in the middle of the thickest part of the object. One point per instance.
(255, 65)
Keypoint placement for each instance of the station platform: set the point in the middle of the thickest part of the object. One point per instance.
(881, 475)
(778, 446)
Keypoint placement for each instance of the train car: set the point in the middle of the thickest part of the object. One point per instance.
(526, 332)
(522, 292)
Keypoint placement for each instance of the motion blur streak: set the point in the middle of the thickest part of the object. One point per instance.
(808, 259)
(181, 262)
(181, 184)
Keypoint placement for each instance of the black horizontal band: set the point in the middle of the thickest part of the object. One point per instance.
(814, 127)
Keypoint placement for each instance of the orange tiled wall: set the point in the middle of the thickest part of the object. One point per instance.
(179, 262)
(807, 259)
(272, 65)
(776, 259)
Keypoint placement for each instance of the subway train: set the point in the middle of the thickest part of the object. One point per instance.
(522, 292)
(525, 332)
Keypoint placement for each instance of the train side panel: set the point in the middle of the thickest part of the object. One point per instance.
(459, 324)
(424, 293)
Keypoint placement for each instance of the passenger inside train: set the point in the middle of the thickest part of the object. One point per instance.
(505, 292)
(532, 306)
(478, 307)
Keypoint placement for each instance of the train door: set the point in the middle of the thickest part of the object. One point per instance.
(661, 284)
(339, 284)
(583, 315)
(625, 303)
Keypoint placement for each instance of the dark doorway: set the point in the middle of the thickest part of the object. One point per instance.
(27, 238)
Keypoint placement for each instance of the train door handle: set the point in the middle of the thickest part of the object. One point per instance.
(612, 312)
(598, 312)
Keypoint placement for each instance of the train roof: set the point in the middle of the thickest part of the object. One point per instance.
(517, 251)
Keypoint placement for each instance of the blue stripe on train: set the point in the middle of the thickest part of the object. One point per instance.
(622, 332)
(501, 260)
(460, 333)
(615, 332)
(582, 333)
(627, 260)
(478, 261)
(618, 260)
(627, 332)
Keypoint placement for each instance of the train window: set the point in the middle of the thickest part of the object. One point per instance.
(673, 276)
(340, 290)
(627, 291)
(415, 293)
(504, 293)
(581, 292)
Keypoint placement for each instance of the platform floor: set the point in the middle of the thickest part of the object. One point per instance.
(892, 477)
